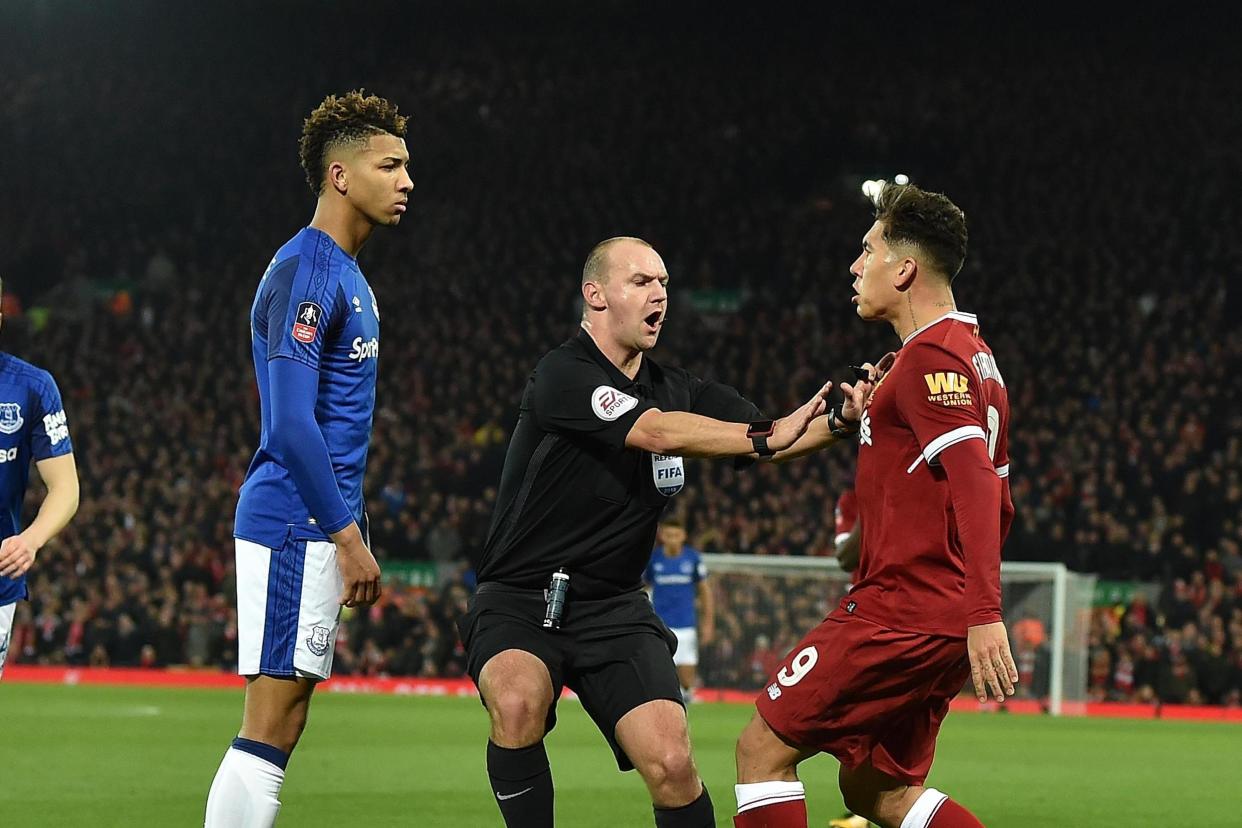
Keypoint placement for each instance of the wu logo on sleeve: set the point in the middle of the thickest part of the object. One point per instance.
(11, 418)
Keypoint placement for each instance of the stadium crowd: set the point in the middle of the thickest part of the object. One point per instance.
(1103, 283)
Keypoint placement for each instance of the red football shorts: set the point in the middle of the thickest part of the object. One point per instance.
(861, 691)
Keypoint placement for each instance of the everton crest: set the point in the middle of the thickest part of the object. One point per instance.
(318, 641)
(11, 418)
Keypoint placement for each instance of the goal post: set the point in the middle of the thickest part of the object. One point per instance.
(764, 604)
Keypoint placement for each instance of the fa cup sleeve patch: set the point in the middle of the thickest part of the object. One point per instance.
(306, 323)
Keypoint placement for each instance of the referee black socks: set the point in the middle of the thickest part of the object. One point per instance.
(522, 783)
(698, 814)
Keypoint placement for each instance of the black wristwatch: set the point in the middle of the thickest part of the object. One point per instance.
(759, 432)
(848, 428)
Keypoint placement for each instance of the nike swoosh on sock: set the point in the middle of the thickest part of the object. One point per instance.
(503, 797)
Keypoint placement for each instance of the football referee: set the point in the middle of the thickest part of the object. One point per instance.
(595, 457)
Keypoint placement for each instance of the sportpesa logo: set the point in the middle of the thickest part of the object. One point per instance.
(8, 455)
(364, 349)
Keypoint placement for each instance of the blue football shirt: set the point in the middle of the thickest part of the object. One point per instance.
(313, 305)
(674, 585)
(32, 428)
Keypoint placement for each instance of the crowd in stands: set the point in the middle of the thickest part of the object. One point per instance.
(1103, 267)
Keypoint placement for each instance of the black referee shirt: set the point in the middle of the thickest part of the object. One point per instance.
(571, 494)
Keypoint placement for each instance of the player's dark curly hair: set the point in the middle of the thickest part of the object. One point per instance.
(926, 220)
(347, 119)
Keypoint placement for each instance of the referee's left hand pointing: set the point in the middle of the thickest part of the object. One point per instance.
(360, 574)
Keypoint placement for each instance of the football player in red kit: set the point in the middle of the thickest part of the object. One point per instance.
(873, 682)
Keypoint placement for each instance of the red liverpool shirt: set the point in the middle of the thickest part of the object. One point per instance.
(943, 389)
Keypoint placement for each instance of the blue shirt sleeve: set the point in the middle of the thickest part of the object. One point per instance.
(700, 568)
(50, 435)
(302, 309)
(299, 441)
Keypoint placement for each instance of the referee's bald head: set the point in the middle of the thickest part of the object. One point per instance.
(597, 264)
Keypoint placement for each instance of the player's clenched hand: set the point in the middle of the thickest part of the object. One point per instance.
(788, 429)
(16, 556)
(360, 574)
(991, 663)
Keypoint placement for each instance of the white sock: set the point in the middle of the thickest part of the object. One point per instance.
(923, 809)
(245, 792)
(757, 794)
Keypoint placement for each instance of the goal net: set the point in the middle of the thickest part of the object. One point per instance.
(764, 605)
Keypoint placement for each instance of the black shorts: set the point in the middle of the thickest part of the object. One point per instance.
(615, 653)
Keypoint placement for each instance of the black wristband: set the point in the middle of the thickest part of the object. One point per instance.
(846, 429)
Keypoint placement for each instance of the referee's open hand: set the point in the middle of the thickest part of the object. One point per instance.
(360, 574)
(789, 428)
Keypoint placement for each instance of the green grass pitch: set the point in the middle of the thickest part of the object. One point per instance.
(92, 756)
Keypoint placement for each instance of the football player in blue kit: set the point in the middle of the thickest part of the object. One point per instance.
(301, 545)
(33, 427)
(683, 600)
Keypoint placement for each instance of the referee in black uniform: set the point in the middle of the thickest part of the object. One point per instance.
(595, 457)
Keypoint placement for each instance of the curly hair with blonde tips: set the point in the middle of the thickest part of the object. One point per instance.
(351, 118)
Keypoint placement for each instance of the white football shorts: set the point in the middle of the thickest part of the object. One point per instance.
(687, 646)
(288, 608)
(6, 627)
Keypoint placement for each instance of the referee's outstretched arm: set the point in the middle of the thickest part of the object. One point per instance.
(805, 430)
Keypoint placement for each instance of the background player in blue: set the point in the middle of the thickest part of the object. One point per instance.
(32, 428)
(678, 576)
(301, 549)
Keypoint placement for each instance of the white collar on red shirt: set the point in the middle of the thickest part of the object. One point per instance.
(960, 316)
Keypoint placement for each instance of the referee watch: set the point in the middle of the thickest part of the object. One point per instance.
(759, 432)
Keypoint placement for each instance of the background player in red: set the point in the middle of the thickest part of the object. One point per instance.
(872, 683)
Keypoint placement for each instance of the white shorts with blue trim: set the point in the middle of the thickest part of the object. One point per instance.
(288, 608)
(6, 626)
(687, 654)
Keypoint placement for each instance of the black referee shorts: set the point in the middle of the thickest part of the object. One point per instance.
(615, 653)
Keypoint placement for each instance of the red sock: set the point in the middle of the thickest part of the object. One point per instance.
(779, 815)
(952, 815)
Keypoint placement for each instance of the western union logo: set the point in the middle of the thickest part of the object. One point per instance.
(946, 382)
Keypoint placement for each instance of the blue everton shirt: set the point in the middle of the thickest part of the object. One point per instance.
(313, 308)
(674, 582)
(32, 428)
